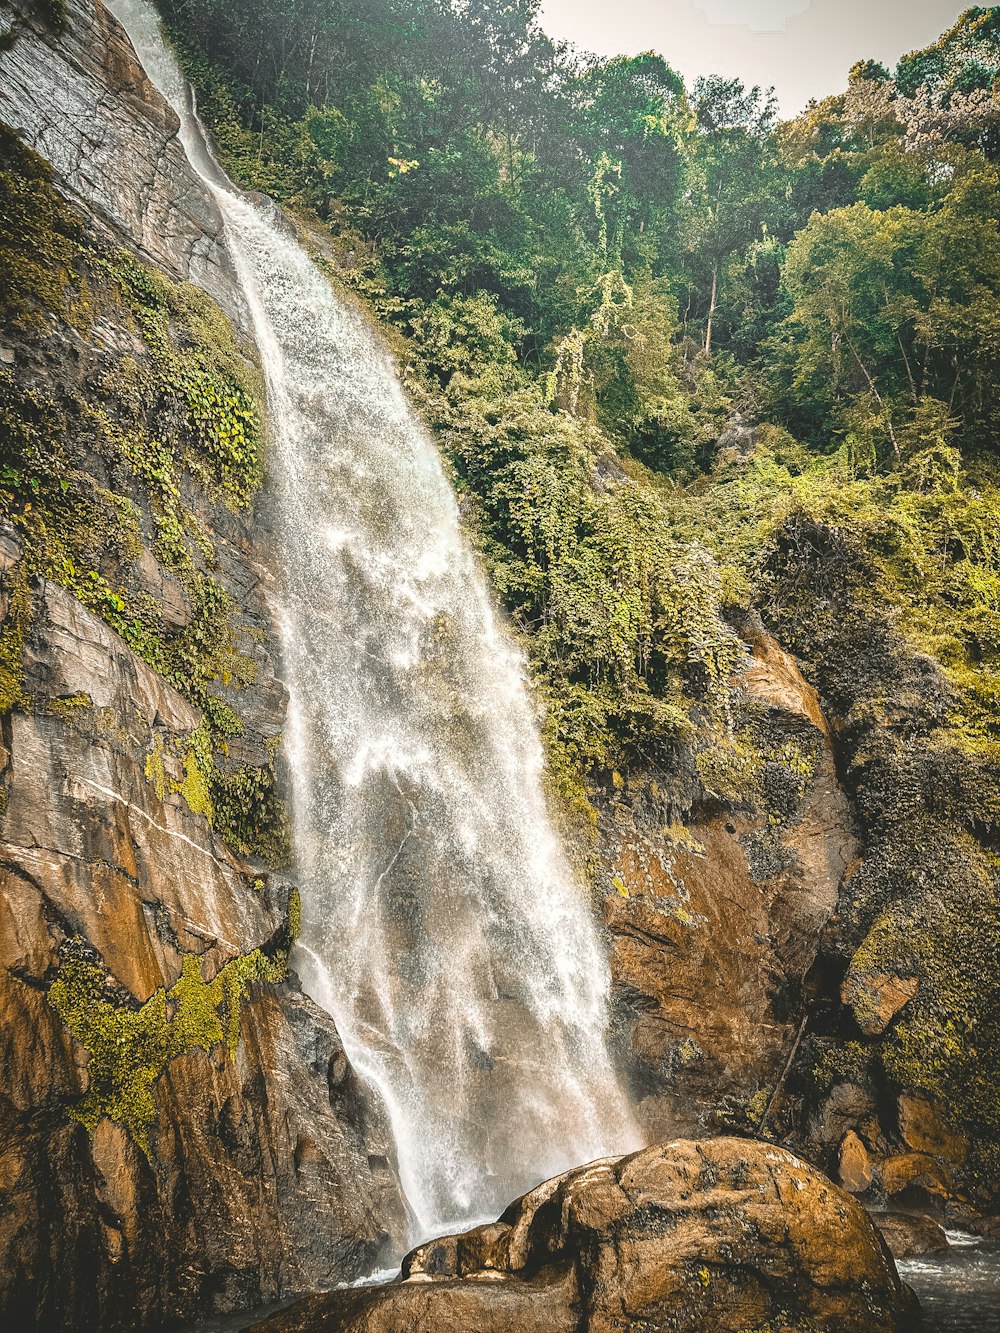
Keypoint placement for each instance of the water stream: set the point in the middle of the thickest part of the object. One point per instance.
(959, 1291)
(441, 926)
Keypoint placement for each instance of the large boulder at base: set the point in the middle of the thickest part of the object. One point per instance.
(728, 1235)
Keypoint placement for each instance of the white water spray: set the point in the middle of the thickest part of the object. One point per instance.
(441, 926)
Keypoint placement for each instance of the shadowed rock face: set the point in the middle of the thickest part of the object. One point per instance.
(727, 1234)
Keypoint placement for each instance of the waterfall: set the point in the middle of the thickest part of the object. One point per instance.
(441, 926)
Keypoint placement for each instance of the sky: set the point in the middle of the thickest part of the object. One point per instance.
(803, 47)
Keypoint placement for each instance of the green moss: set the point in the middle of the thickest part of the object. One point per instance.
(12, 635)
(201, 379)
(129, 1045)
(40, 239)
(198, 767)
(155, 770)
(193, 753)
(69, 706)
(249, 813)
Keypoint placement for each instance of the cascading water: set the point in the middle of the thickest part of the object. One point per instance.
(440, 925)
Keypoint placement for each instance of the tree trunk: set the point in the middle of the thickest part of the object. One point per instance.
(711, 308)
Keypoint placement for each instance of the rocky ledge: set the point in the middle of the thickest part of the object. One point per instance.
(729, 1234)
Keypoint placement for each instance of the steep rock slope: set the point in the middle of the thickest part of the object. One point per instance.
(180, 1129)
(717, 922)
(75, 92)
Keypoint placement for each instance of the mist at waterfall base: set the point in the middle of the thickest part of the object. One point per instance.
(441, 927)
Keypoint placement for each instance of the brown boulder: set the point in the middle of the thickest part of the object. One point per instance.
(923, 1129)
(909, 1235)
(727, 1234)
(914, 1169)
(855, 1164)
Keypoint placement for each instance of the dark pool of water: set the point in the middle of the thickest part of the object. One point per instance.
(959, 1291)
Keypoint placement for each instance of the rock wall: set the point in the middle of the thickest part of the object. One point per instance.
(264, 1167)
(747, 996)
(77, 95)
(180, 1129)
(716, 922)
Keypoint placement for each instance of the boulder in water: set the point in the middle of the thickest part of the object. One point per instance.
(728, 1234)
(911, 1235)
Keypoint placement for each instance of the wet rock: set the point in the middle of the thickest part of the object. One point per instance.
(910, 1235)
(726, 1234)
(846, 1106)
(81, 99)
(923, 1128)
(772, 676)
(165, 590)
(716, 923)
(914, 1169)
(218, 1208)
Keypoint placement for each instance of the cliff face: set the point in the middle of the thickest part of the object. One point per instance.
(77, 95)
(815, 961)
(716, 923)
(180, 1128)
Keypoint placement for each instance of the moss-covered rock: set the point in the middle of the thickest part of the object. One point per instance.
(122, 460)
(129, 1045)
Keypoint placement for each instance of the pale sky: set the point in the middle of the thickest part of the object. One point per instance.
(803, 47)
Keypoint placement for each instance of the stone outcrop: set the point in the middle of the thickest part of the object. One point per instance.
(875, 998)
(910, 1235)
(80, 98)
(855, 1164)
(725, 1235)
(258, 1165)
(716, 923)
